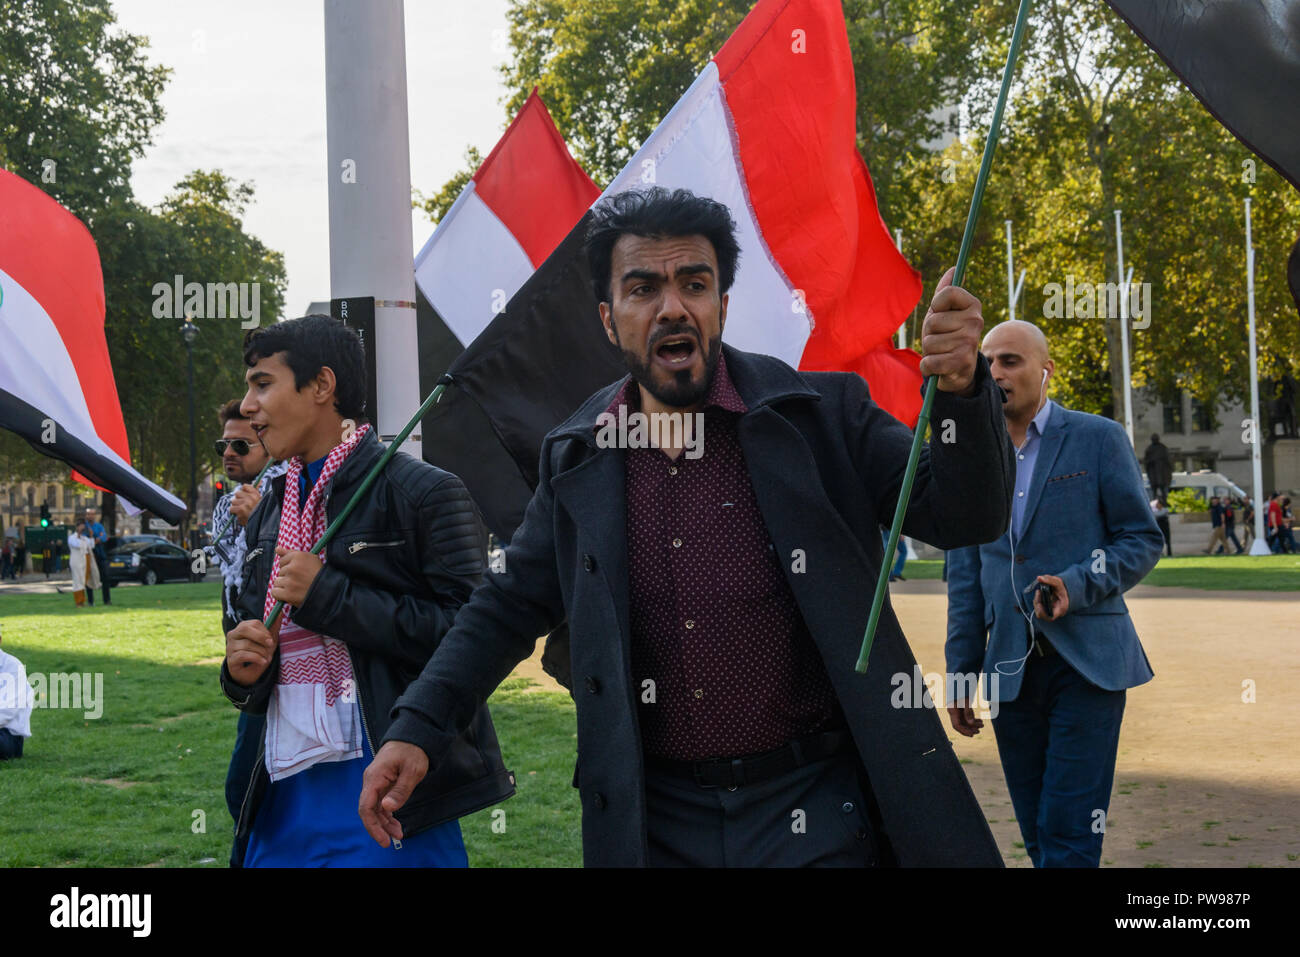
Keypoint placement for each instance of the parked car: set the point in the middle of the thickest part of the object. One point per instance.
(150, 562)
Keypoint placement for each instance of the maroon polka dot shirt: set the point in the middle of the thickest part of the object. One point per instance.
(714, 623)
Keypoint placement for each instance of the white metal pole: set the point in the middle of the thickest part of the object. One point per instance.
(1258, 546)
(902, 330)
(1011, 277)
(370, 193)
(1123, 331)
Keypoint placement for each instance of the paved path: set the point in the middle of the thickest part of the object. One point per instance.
(1203, 778)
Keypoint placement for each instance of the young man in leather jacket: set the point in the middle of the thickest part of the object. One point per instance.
(358, 625)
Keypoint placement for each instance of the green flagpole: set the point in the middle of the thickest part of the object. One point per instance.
(378, 467)
(256, 482)
(923, 421)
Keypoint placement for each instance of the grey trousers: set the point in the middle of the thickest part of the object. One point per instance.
(814, 816)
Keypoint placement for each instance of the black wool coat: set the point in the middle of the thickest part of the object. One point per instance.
(826, 465)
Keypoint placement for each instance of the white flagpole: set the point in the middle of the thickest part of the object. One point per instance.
(902, 330)
(1013, 286)
(368, 145)
(1123, 331)
(1011, 277)
(1258, 546)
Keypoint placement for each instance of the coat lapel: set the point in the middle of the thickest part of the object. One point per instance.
(594, 493)
(1048, 450)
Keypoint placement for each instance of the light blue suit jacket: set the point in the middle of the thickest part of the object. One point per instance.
(1087, 521)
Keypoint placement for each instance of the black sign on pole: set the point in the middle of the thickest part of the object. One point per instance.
(358, 313)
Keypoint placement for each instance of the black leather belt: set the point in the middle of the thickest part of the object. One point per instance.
(731, 773)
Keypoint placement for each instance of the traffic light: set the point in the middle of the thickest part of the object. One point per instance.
(45, 516)
(219, 487)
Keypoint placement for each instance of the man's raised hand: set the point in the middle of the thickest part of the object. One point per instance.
(387, 785)
(243, 502)
(950, 337)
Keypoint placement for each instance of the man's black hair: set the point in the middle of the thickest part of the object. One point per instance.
(656, 213)
(230, 411)
(310, 344)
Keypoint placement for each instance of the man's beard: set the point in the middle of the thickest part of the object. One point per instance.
(681, 391)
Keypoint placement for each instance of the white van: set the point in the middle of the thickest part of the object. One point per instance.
(1205, 484)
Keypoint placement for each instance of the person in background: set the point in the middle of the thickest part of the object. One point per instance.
(1247, 522)
(81, 560)
(1229, 525)
(1159, 465)
(1216, 528)
(1162, 519)
(99, 539)
(1064, 661)
(1285, 534)
(242, 457)
(1273, 522)
(15, 706)
(7, 559)
(360, 617)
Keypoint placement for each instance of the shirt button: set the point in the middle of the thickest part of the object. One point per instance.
(690, 623)
(699, 692)
(672, 470)
(1021, 457)
(677, 543)
(1021, 494)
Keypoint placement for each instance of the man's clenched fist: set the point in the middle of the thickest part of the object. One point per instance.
(297, 571)
(249, 649)
(243, 502)
(950, 337)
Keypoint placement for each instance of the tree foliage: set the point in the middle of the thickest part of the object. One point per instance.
(196, 233)
(78, 94)
(1096, 123)
(82, 95)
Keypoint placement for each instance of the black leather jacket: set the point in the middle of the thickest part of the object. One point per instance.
(395, 575)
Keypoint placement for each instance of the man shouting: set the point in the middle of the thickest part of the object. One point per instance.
(716, 600)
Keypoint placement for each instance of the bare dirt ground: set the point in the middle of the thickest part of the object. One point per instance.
(1203, 778)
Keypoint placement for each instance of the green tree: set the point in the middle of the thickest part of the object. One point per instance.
(1098, 123)
(78, 94)
(197, 233)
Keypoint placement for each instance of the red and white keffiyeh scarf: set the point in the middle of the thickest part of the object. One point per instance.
(312, 716)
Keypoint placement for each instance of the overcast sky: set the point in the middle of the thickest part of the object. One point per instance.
(247, 96)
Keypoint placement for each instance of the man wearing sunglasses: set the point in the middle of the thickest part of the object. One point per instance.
(242, 458)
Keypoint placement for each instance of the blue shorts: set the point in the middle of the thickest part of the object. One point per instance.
(311, 820)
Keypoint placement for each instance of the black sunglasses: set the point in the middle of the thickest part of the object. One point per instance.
(241, 446)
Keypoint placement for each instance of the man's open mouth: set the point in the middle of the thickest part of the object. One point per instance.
(675, 351)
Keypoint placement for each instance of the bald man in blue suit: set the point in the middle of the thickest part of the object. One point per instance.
(1055, 671)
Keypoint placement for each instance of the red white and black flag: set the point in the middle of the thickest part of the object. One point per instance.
(1241, 58)
(56, 381)
(769, 129)
(521, 202)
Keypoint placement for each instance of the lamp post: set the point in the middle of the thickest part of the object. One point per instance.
(188, 331)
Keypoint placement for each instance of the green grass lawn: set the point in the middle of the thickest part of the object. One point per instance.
(1210, 572)
(143, 785)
